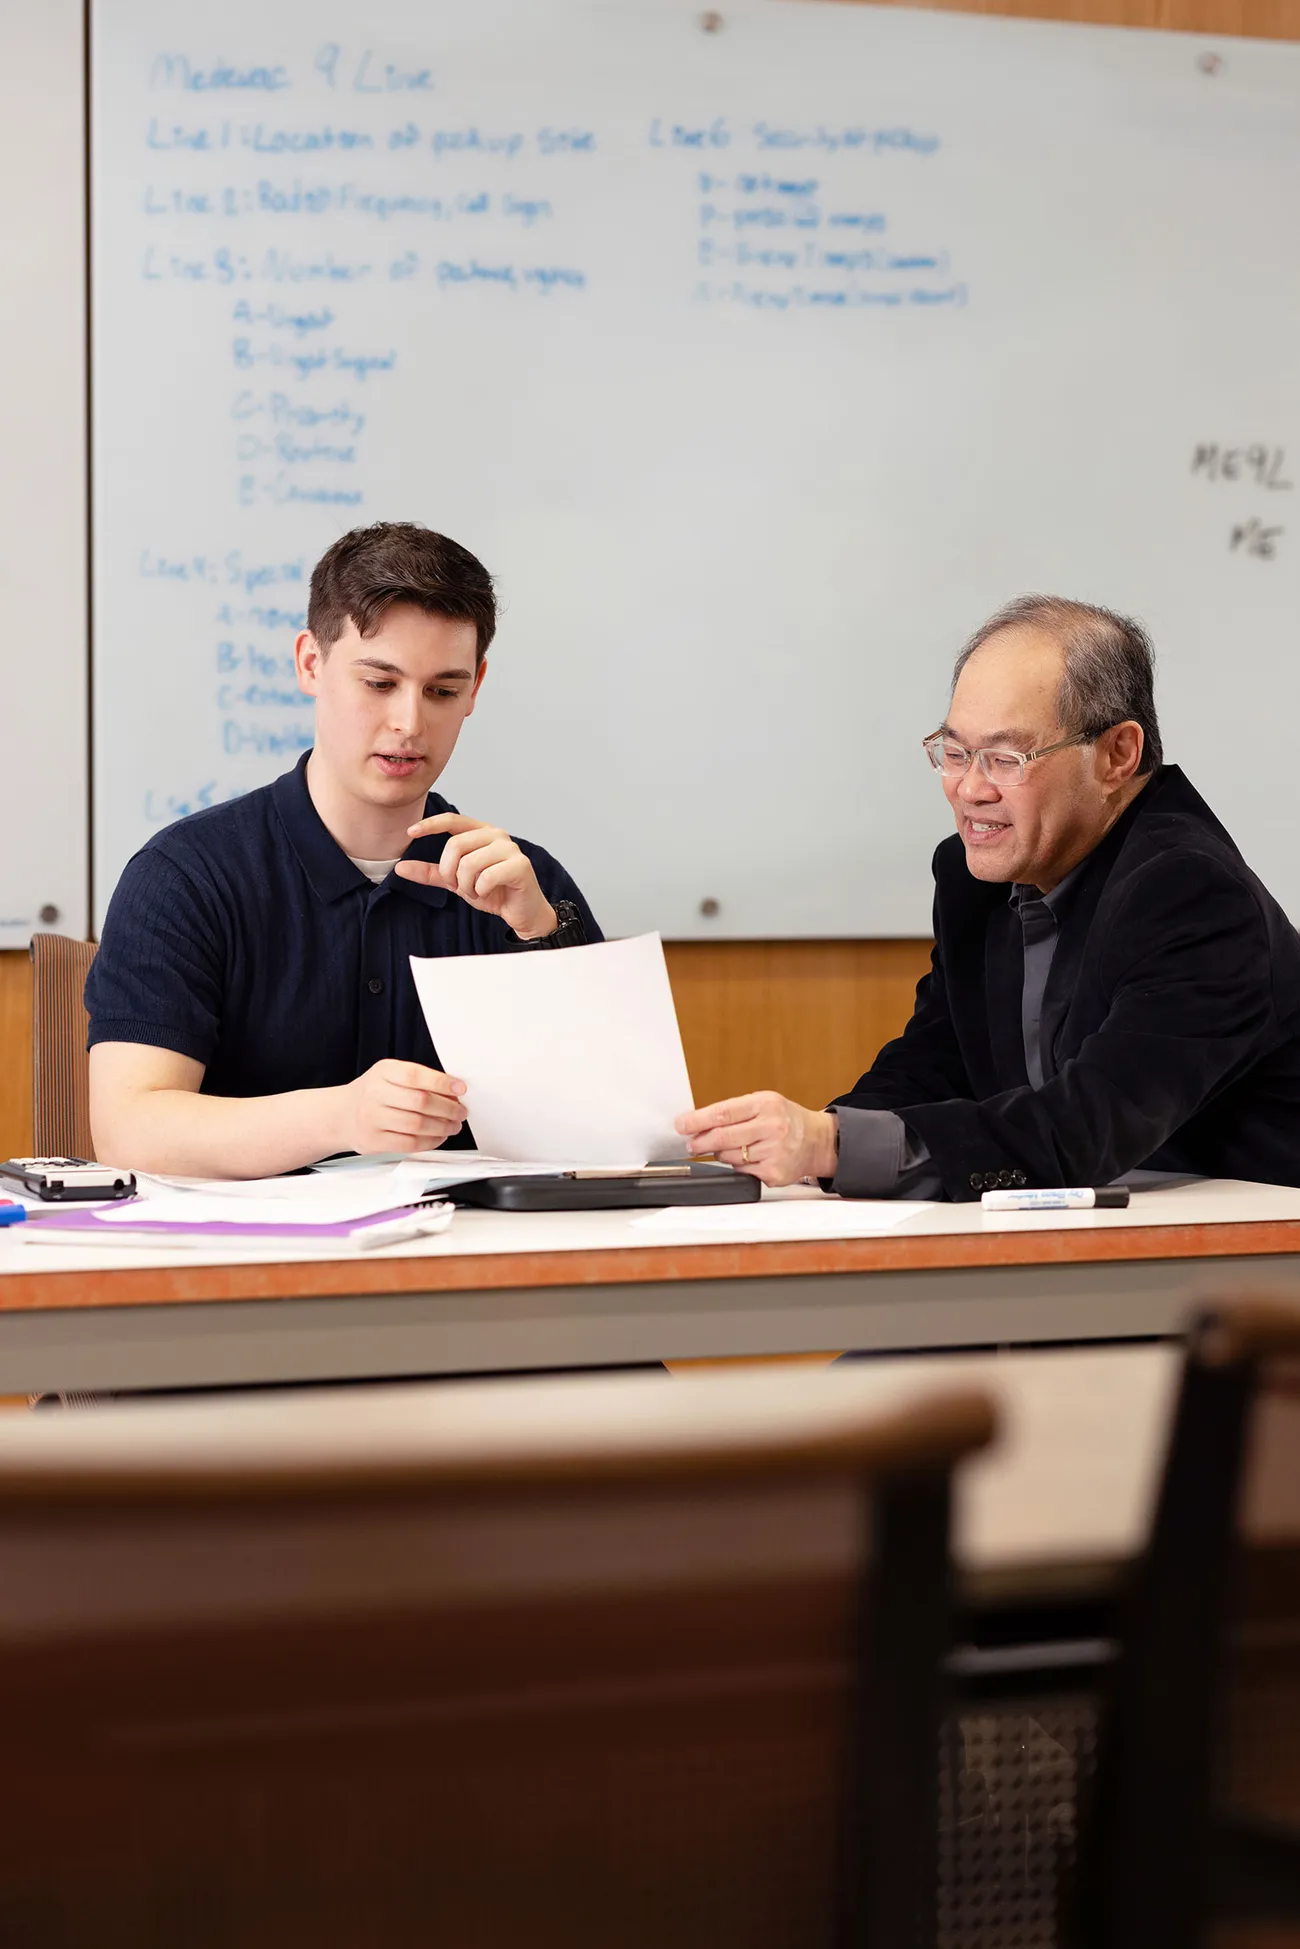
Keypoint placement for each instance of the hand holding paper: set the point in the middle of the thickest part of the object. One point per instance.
(571, 1054)
(399, 1105)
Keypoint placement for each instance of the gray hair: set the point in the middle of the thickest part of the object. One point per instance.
(1109, 673)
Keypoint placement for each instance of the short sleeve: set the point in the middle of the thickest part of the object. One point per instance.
(159, 975)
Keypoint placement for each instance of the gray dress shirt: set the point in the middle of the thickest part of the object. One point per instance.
(877, 1157)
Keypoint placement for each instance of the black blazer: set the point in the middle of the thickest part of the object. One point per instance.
(1172, 1011)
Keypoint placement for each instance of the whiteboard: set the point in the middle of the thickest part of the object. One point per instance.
(759, 364)
(44, 851)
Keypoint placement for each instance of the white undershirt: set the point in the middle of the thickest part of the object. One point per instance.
(377, 870)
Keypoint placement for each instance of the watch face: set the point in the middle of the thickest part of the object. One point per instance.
(569, 930)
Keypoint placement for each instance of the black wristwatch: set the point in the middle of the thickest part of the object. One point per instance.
(569, 930)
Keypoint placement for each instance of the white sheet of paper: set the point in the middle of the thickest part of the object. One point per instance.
(432, 1169)
(570, 1053)
(322, 1198)
(780, 1219)
(268, 1201)
(464, 1166)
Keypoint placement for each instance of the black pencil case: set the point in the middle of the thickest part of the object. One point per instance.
(694, 1184)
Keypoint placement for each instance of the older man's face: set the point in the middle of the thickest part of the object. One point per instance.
(1034, 832)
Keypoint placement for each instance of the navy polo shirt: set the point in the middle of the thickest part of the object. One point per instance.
(243, 936)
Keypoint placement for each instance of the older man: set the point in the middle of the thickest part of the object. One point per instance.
(1111, 987)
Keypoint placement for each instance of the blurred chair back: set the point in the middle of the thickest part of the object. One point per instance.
(60, 1068)
(1194, 1832)
(553, 1664)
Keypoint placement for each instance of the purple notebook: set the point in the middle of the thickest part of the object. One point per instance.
(90, 1223)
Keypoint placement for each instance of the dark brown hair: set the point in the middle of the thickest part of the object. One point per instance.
(369, 569)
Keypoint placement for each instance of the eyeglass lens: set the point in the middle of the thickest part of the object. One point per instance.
(953, 759)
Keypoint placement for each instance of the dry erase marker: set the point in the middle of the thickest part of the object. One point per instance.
(1108, 1197)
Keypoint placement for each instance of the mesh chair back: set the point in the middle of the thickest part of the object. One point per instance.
(60, 1069)
(1258, 1756)
(1197, 1798)
(557, 1664)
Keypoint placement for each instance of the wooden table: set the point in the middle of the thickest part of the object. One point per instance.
(509, 1292)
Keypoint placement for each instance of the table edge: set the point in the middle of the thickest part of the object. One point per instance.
(190, 1284)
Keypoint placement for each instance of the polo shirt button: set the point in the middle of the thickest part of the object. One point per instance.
(375, 985)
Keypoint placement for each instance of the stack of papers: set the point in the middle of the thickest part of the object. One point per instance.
(322, 1208)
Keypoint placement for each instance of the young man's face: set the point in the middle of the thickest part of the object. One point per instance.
(389, 707)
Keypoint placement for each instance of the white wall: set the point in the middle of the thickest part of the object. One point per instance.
(44, 863)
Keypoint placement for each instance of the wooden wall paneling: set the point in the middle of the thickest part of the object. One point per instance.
(802, 1017)
(15, 1053)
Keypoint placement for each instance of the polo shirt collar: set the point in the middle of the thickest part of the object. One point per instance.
(330, 873)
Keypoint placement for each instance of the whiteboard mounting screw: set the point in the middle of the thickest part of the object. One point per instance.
(1209, 62)
(711, 23)
(48, 914)
(710, 908)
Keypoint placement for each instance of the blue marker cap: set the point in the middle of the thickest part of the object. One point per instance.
(11, 1214)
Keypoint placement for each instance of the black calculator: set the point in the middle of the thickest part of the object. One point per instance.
(67, 1178)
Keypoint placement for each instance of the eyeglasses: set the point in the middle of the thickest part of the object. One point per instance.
(1002, 767)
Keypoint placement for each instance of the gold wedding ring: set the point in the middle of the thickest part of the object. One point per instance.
(744, 1153)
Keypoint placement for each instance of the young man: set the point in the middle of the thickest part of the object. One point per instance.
(251, 1006)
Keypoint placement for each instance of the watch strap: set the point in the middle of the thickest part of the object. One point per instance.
(568, 932)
